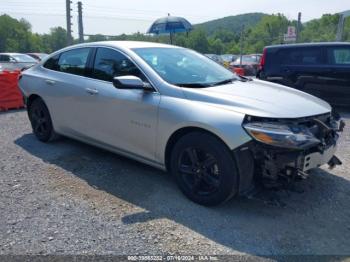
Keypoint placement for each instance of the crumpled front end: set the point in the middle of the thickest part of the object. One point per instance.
(283, 150)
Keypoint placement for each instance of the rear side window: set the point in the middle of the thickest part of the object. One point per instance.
(52, 63)
(301, 56)
(111, 63)
(339, 55)
(74, 61)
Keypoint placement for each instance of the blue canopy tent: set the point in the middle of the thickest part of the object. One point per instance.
(170, 25)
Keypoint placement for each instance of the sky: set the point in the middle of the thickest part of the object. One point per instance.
(114, 17)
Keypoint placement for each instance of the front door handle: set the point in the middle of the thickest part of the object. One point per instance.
(50, 82)
(91, 91)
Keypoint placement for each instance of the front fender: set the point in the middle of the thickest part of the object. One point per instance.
(179, 113)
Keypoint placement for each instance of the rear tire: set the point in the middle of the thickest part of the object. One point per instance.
(41, 122)
(204, 169)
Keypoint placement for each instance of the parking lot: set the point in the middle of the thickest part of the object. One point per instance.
(70, 198)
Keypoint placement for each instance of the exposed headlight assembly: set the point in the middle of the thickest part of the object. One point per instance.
(281, 135)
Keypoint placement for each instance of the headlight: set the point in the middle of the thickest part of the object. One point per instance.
(281, 135)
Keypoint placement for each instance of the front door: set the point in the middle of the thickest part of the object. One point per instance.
(124, 119)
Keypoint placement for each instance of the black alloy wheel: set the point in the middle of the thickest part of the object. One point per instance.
(204, 169)
(199, 170)
(41, 121)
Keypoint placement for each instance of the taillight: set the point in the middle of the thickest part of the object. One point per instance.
(263, 59)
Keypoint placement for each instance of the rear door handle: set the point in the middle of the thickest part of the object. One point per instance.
(50, 82)
(91, 91)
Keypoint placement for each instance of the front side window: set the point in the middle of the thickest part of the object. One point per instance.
(74, 61)
(110, 63)
(339, 55)
(184, 67)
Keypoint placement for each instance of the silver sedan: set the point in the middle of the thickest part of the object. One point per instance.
(16, 61)
(219, 134)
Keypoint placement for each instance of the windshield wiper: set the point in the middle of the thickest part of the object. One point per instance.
(227, 81)
(245, 79)
(192, 85)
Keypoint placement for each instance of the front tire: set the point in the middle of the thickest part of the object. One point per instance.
(204, 169)
(41, 122)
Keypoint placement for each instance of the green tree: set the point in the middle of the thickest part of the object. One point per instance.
(57, 38)
(14, 34)
(216, 46)
(97, 38)
(320, 30)
(198, 41)
(269, 30)
(224, 35)
(219, 36)
(181, 40)
(232, 48)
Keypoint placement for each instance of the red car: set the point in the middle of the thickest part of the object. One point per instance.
(250, 64)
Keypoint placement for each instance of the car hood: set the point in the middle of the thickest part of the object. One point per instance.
(260, 98)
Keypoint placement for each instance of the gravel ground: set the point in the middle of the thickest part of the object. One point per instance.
(70, 198)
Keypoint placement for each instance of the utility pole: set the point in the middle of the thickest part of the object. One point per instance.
(242, 44)
(340, 29)
(69, 22)
(80, 22)
(298, 27)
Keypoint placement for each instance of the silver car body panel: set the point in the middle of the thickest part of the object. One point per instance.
(260, 98)
(139, 123)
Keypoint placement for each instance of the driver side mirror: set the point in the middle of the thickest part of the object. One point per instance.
(130, 82)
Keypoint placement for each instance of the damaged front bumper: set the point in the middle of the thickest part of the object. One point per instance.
(265, 161)
(318, 159)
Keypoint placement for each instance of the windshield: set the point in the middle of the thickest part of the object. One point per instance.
(24, 58)
(184, 67)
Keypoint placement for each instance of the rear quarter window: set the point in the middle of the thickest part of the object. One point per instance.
(338, 55)
(52, 63)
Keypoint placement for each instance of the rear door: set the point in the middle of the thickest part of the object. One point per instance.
(65, 84)
(338, 75)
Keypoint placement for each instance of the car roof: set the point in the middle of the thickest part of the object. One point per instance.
(126, 44)
(309, 45)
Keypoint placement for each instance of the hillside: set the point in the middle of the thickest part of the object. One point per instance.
(231, 23)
